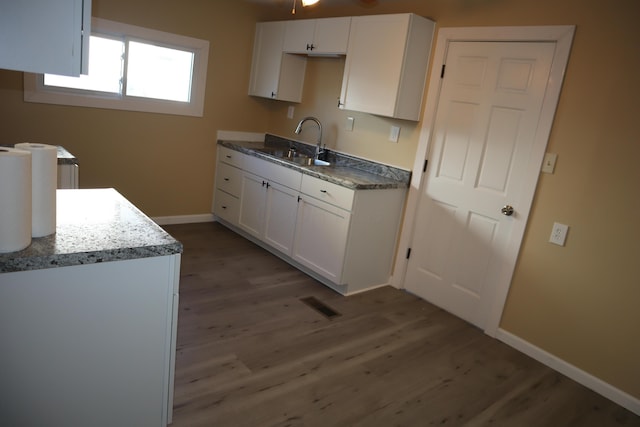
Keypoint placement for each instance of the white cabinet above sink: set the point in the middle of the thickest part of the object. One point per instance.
(275, 74)
(326, 36)
(386, 65)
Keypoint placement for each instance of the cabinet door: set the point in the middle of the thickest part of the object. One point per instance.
(252, 204)
(321, 237)
(331, 36)
(386, 65)
(280, 217)
(45, 36)
(229, 179)
(299, 35)
(267, 58)
(317, 36)
(226, 206)
(274, 74)
(374, 62)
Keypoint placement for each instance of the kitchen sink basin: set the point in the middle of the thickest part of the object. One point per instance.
(293, 156)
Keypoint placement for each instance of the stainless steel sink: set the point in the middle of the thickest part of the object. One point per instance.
(292, 156)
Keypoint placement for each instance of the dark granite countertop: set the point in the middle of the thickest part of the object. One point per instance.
(92, 226)
(345, 170)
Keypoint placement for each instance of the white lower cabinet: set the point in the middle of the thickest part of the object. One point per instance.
(252, 204)
(344, 238)
(268, 211)
(280, 217)
(321, 237)
(268, 203)
(228, 185)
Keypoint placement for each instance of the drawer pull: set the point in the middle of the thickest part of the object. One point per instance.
(224, 207)
(323, 191)
(226, 179)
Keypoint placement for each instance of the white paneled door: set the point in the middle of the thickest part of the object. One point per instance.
(482, 142)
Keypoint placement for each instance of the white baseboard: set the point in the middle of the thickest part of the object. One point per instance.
(605, 389)
(182, 219)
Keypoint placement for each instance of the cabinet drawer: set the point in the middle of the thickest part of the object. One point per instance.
(226, 207)
(229, 179)
(273, 172)
(328, 192)
(231, 157)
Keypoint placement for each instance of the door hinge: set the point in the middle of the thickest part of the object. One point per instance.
(424, 168)
(408, 253)
(442, 71)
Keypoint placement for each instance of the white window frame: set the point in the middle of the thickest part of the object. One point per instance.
(35, 91)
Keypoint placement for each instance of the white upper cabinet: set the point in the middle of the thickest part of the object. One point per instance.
(45, 36)
(275, 74)
(386, 65)
(326, 36)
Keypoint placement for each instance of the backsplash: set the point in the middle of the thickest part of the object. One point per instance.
(340, 159)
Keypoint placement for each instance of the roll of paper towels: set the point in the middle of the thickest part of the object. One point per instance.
(15, 199)
(44, 179)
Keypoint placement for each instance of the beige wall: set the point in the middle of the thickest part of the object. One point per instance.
(578, 302)
(163, 163)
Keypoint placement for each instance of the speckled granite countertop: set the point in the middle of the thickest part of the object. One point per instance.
(92, 226)
(64, 157)
(345, 170)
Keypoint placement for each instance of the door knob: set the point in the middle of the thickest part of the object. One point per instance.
(507, 210)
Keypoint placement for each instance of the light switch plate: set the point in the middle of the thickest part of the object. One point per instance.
(290, 112)
(394, 133)
(549, 162)
(348, 126)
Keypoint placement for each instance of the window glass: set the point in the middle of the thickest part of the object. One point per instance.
(105, 68)
(159, 72)
(131, 68)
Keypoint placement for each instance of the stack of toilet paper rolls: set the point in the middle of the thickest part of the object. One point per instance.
(28, 180)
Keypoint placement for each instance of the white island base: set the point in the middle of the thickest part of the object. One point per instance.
(89, 345)
(88, 319)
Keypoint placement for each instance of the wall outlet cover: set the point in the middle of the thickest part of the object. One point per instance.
(558, 234)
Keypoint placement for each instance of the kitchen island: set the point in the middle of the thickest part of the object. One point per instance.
(88, 318)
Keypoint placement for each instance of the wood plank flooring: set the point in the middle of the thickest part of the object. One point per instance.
(251, 353)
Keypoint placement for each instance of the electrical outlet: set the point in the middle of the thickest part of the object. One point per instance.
(290, 112)
(558, 234)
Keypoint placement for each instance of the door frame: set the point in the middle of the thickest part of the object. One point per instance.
(562, 36)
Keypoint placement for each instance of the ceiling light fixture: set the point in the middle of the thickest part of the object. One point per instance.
(305, 3)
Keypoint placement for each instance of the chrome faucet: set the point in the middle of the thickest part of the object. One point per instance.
(319, 148)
